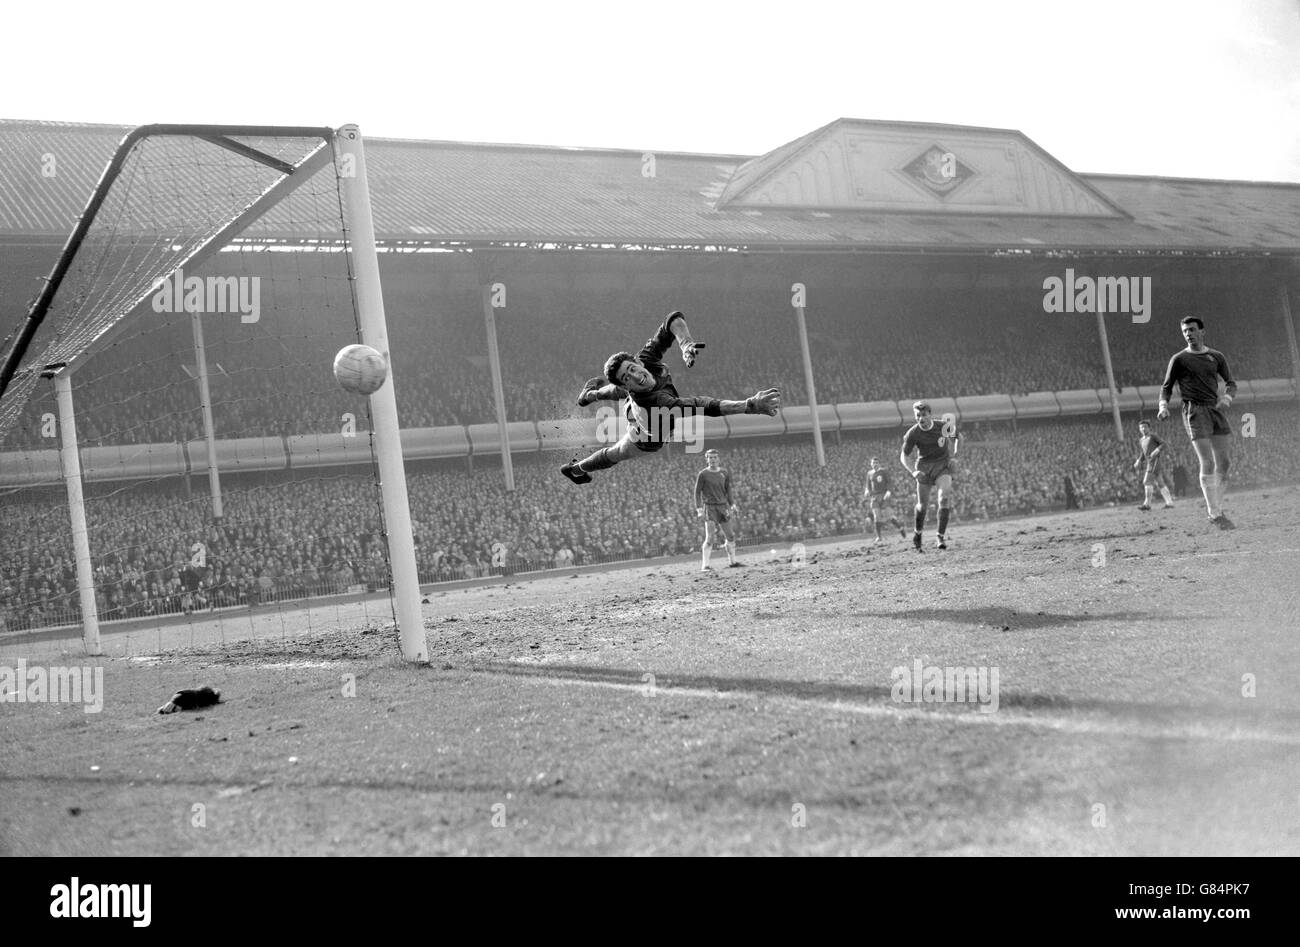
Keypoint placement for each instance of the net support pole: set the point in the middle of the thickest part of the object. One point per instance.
(351, 169)
(1110, 375)
(498, 390)
(812, 388)
(205, 399)
(1284, 298)
(77, 512)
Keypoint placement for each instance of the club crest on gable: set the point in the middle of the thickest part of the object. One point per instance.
(938, 171)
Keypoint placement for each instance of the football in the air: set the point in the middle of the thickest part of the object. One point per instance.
(360, 369)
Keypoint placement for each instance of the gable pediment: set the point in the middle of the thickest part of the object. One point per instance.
(886, 166)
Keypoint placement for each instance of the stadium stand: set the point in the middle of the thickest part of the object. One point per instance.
(594, 254)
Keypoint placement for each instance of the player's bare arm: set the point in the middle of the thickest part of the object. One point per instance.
(904, 459)
(1167, 389)
(1230, 386)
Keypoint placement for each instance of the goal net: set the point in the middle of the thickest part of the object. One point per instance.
(178, 465)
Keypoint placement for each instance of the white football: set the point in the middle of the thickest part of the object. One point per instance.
(360, 369)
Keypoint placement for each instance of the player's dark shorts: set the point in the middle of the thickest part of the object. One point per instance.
(1204, 420)
(715, 512)
(932, 470)
(877, 501)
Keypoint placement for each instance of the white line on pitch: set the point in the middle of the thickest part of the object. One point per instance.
(1001, 718)
(1234, 552)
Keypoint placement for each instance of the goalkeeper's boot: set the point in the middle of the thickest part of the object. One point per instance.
(1144, 508)
(1223, 522)
(941, 543)
(575, 473)
(916, 542)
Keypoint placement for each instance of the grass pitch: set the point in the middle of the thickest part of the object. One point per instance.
(1146, 705)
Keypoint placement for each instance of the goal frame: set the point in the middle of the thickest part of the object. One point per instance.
(340, 147)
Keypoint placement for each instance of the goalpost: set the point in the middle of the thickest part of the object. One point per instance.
(191, 318)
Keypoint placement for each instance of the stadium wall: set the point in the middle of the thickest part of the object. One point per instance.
(36, 468)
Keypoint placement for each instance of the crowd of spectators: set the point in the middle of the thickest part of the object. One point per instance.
(272, 377)
(156, 550)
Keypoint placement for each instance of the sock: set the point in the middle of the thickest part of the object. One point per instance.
(876, 524)
(706, 550)
(920, 519)
(1150, 495)
(1208, 488)
(943, 520)
(597, 461)
(730, 546)
(1169, 497)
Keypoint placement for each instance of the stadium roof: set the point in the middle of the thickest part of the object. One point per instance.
(852, 184)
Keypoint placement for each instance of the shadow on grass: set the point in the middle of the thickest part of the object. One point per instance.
(882, 694)
(1008, 619)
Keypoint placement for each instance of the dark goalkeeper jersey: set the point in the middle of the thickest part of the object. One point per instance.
(663, 396)
(713, 487)
(1197, 375)
(932, 444)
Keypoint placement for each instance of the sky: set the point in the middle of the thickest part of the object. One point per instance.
(1182, 88)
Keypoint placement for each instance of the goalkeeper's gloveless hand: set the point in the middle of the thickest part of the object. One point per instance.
(589, 390)
(690, 350)
(767, 401)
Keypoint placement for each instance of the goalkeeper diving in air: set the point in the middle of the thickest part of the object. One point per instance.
(653, 405)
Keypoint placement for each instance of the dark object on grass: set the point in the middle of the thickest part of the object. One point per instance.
(191, 700)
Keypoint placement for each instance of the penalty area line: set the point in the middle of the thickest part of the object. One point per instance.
(1000, 718)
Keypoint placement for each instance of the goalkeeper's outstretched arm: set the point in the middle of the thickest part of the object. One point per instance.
(688, 346)
(767, 401)
(671, 330)
(597, 389)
